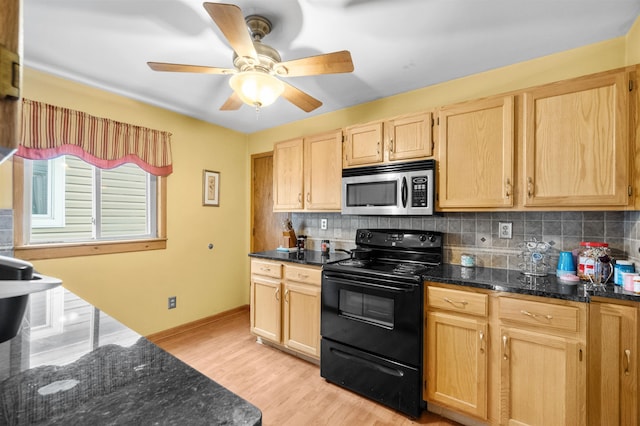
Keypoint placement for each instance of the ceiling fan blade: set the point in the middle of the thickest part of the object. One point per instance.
(228, 17)
(163, 66)
(299, 98)
(232, 103)
(329, 63)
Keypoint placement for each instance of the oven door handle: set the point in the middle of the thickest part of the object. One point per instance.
(371, 283)
(370, 364)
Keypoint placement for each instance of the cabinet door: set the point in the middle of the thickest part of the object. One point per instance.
(288, 175)
(542, 379)
(576, 143)
(323, 171)
(456, 367)
(266, 311)
(613, 360)
(476, 150)
(302, 318)
(363, 145)
(409, 137)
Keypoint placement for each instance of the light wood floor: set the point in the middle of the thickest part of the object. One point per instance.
(288, 390)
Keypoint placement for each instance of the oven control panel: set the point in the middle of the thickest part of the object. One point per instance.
(399, 238)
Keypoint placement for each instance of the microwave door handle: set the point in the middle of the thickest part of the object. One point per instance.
(405, 192)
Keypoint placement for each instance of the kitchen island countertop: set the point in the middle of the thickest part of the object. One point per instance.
(82, 367)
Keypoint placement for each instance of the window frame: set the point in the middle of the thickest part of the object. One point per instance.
(86, 248)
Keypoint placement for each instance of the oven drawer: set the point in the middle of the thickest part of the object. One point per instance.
(301, 274)
(388, 382)
(561, 317)
(458, 301)
(266, 268)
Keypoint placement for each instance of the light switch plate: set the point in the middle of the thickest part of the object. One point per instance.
(504, 230)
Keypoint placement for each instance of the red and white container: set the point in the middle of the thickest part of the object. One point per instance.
(588, 256)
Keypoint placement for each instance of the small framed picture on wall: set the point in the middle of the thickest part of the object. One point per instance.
(210, 188)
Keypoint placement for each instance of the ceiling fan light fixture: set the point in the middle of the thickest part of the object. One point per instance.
(255, 88)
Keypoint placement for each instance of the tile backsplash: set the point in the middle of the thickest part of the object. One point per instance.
(6, 232)
(477, 233)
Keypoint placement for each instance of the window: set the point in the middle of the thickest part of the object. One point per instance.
(47, 205)
(70, 204)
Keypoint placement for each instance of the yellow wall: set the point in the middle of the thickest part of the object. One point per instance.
(633, 44)
(134, 287)
(6, 197)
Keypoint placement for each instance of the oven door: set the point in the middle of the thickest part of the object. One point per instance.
(376, 315)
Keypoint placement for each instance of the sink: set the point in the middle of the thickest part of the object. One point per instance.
(13, 288)
(17, 281)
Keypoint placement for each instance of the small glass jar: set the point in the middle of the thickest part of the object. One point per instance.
(588, 255)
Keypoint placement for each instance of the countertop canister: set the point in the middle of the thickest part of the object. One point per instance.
(621, 267)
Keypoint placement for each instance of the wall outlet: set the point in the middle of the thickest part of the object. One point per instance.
(172, 302)
(504, 230)
(323, 224)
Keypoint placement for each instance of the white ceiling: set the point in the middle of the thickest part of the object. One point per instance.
(396, 45)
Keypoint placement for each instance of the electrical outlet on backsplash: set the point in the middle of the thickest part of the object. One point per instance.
(476, 233)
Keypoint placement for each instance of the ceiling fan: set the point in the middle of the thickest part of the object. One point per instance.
(257, 65)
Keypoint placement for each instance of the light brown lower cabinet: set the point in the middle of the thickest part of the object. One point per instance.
(457, 359)
(504, 358)
(613, 364)
(285, 305)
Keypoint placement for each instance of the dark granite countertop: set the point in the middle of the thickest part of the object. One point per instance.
(487, 278)
(307, 257)
(85, 368)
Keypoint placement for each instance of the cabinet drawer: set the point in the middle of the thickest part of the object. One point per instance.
(540, 313)
(268, 269)
(457, 300)
(302, 274)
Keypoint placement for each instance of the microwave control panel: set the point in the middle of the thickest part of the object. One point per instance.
(419, 191)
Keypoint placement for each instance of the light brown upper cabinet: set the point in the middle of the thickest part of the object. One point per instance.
(476, 154)
(402, 138)
(576, 143)
(307, 173)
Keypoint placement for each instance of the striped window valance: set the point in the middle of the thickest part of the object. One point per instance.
(49, 131)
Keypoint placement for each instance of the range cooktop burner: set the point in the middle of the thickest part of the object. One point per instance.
(357, 263)
(409, 269)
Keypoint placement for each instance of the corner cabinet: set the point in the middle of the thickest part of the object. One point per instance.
(476, 154)
(401, 138)
(307, 173)
(613, 364)
(542, 362)
(576, 143)
(456, 359)
(285, 306)
(265, 305)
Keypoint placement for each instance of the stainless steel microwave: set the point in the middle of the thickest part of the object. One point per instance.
(390, 189)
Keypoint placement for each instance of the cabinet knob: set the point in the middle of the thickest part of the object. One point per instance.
(300, 197)
(481, 342)
(508, 187)
(530, 187)
(308, 197)
(277, 293)
(390, 144)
